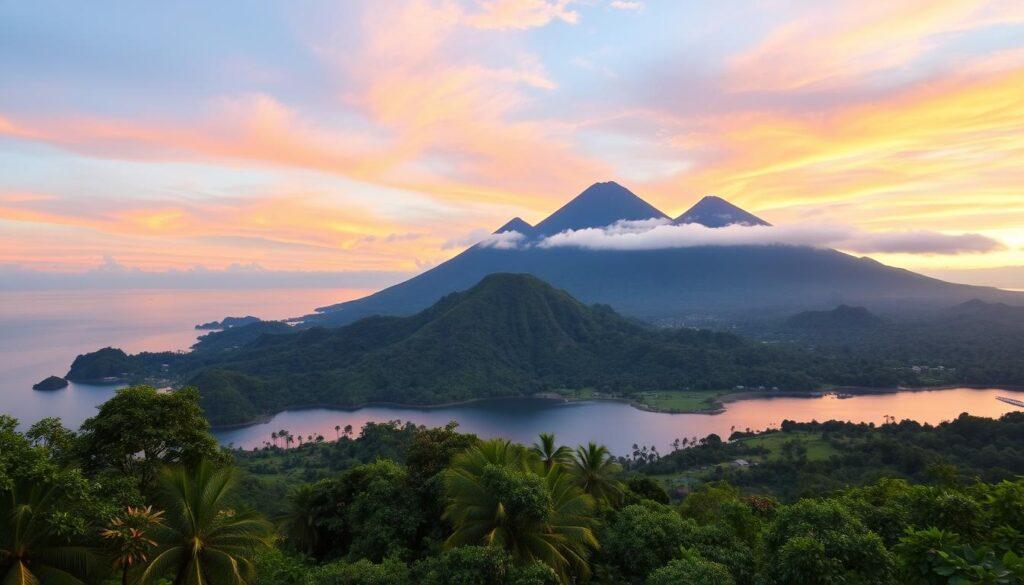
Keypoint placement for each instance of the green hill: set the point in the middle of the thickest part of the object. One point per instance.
(511, 334)
(515, 335)
(842, 318)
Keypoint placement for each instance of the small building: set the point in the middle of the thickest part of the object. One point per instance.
(741, 463)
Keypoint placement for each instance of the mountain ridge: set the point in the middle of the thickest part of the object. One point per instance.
(599, 205)
(697, 285)
(516, 224)
(714, 212)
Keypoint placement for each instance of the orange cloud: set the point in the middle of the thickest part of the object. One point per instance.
(444, 102)
(961, 126)
(282, 231)
(946, 156)
(834, 45)
(253, 128)
(520, 14)
(432, 119)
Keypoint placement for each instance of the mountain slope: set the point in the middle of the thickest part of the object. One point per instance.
(715, 212)
(516, 224)
(599, 205)
(978, 310)
(682, 285)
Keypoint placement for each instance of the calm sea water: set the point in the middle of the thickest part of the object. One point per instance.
(42, 332)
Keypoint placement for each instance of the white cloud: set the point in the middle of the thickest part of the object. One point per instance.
(509, 240)
(925, 242)
(626, 4)
(521, 14)
(660, 234)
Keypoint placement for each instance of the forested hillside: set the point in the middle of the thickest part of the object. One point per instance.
(514, 335)
(509, 335)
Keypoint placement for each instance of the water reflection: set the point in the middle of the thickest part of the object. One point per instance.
(619, 425)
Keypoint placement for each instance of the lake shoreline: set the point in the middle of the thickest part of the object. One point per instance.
(635, 403)
(718, 406)
(353, 407)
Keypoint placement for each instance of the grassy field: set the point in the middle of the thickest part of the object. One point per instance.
(817, 447)
(582, 393)
(676, 401)
(679, 400)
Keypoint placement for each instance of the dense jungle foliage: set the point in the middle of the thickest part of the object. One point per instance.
(143, 494)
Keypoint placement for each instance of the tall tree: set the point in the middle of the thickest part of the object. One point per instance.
(549, 454)
(203, 541)
(140, 429)
(596, 473)
(31, 552)
(299, 522)
(500, 495)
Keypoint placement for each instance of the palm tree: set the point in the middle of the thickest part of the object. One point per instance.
(549, 454)
(30, 551)
(129, 537)
(595, 471)
(203, 541)
(337, 431)
(273, 436)
(499, 494)
(297, 522)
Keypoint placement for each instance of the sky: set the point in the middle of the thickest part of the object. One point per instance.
(367, 141)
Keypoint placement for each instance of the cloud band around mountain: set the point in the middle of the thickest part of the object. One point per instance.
(661, 234)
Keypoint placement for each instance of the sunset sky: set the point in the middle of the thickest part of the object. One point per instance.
(380, 138)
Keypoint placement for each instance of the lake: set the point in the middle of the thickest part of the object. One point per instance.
(618, 425)
(42, 332)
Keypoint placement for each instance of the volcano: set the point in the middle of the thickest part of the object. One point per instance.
(693, 285)
(715, 212)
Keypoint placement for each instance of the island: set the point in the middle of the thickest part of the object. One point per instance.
(51, 383)
(229, 322)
